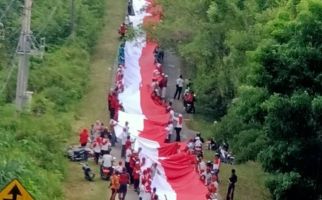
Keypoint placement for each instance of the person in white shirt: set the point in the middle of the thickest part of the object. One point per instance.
(97, 128)
(123, 141)
(113, 123)
(179, 86)
(127, 127)
(154, 170)
(207, 176)
(119, 167)
(107, 160)
(202, 167)
(171, 117)
(169, 129)
(198, 142)
(128, 154)
(191, 145)
(105, 145)
(97, 149)
(178, 126)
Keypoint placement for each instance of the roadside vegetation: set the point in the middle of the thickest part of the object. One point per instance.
(33, 142)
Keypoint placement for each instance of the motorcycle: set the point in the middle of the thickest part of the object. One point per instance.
(88, 173)
(230, 159)
(226, 157)
(188, 102)
(106, 172)
(188, 108)
(77, 154)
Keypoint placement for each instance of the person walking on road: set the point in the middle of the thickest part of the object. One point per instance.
(163, 85)
(169, 131)
(179, 86)
(136, 177)
(124, 138)
(115, 184)
(231, 186)
(124, 180)
(97, 149)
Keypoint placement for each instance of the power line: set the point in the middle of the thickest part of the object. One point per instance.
(7, 9)
(47, 21)
(13, 64)
(4, 86)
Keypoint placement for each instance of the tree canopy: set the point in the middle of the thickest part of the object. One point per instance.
(256, 67)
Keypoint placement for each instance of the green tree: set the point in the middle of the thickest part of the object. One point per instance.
(256, 67)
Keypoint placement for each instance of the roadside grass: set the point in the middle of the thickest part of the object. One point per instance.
(93, 106)
(251, 177)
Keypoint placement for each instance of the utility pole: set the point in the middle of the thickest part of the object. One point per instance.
(72, 19)
(23, 52)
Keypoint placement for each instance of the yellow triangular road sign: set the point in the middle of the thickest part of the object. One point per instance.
(14, 191)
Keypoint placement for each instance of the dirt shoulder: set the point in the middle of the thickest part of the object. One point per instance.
(93, 106)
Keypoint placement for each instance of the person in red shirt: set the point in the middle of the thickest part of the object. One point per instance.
(124, 180)
(83, 137)
(112, 104)
(168, 107)
(136, 176)
(216, 163)
(122, 30)
(117, 107)
(133, 159)
(128, 142)
(211, 191)
(109, 101)
(119, 75)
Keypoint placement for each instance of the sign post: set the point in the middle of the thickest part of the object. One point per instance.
(15, 191)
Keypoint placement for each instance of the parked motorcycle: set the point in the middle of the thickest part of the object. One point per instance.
(77, 153)
(88, 173)
(188, 101)
(188, 108)
(226, 156)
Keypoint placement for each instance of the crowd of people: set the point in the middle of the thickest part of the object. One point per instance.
(128, 171)
(133, 169)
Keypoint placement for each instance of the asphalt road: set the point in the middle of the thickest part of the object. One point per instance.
(172, 67)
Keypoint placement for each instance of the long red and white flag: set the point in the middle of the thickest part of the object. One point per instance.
(177, 178)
